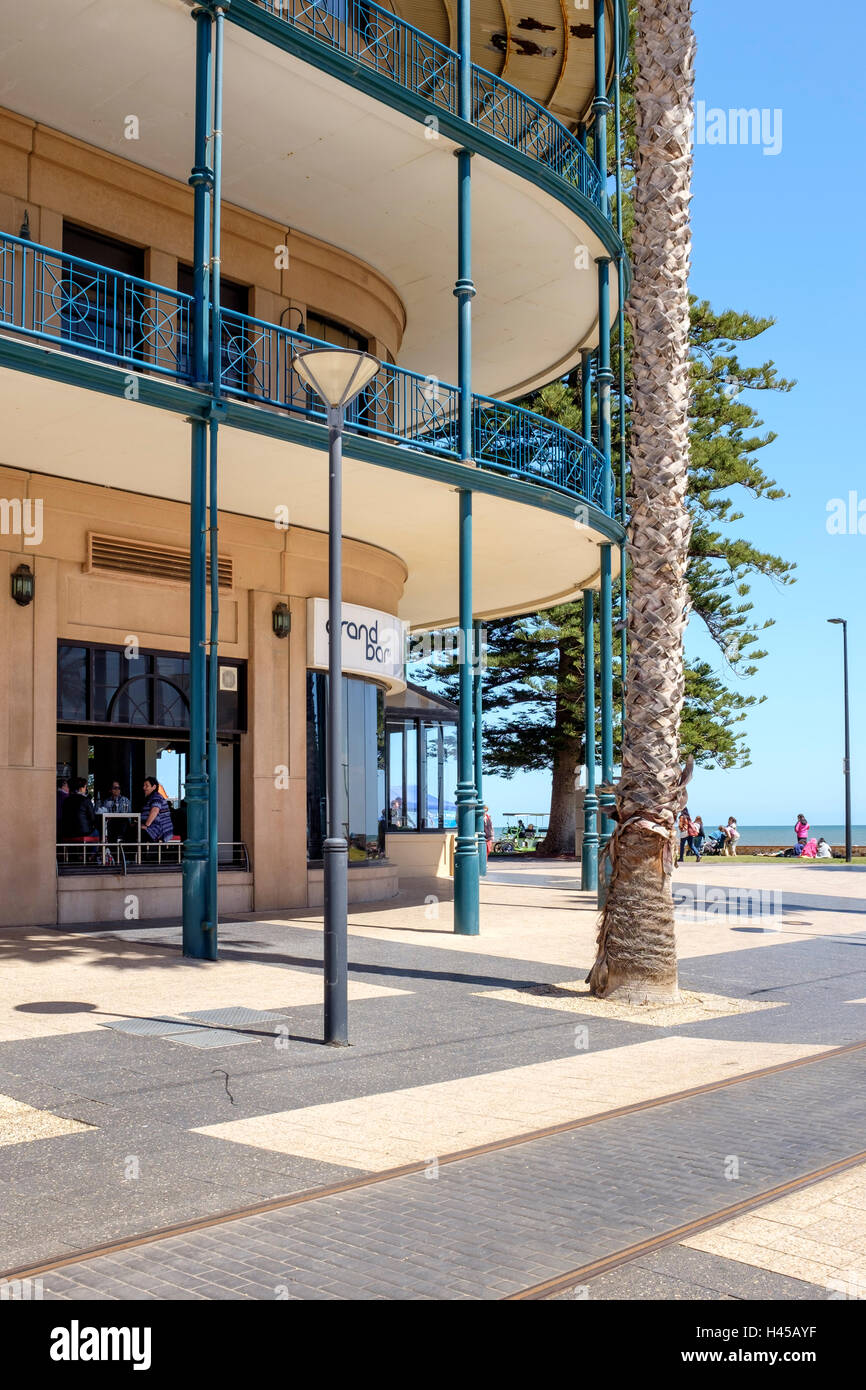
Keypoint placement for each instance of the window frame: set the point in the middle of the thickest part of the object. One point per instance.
(91, 725)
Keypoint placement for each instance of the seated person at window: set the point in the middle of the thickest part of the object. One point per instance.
(155, 814)
(62, 794)
(77, 817)
(116, 803)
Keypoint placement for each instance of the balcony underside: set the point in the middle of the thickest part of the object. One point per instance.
(311, 152)
(529, 551)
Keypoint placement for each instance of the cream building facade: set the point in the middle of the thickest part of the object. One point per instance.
(338, 216)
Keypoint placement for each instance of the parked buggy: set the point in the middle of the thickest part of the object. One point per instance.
(714, 844)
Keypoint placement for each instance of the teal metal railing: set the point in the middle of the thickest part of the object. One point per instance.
(80, 307)
(384, 44)
(92, 309)
(522, 444)
(257, 364)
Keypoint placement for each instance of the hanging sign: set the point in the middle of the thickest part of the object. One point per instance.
(373, 642)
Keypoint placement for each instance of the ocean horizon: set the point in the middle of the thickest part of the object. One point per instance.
(784, 834)
(777, 834)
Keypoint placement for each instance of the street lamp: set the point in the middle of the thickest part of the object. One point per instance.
(337, 376)
(843, 623)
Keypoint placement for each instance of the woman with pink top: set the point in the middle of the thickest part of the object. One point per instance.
(801, 833)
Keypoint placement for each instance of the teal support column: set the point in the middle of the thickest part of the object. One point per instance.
(478, 703)
(196, 935)
(623, 456)
(212, 700)
(601, 105)
(589, 854)
(213, 497)
(586, 393)
(466, 875)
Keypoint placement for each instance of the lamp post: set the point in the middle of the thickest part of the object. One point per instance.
(337, 376)
(843, 623)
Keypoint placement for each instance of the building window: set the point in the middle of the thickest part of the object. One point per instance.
(97, 311)
(364, 411)
(123, 717)
(234, 355)
(362, 812)
(422, 774)
(421, 762)
(332, 331)
(402, 739)
(104, 685)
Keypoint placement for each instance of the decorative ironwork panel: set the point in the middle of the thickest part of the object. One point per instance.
(527, 126)
(529, 446)
(398, 405)
(95, 311)
(379, 40)
(92, 309)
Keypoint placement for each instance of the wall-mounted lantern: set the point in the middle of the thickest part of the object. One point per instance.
(282, 620)
(23, 585)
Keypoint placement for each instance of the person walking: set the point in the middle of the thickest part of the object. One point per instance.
(685, 824)
(698, 837)
(801, 833)
(488, 829)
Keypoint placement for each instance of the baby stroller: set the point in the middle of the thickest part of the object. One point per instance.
(714, 844)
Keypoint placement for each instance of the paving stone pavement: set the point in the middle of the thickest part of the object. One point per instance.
(426, 1010)
(486, 1227)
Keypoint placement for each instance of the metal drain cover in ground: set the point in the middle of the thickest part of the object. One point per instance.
(236, 1017)
(150, 1027)
(211, 1037)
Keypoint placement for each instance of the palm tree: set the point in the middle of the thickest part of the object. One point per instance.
(636, 946)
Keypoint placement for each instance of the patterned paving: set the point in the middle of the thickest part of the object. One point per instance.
(416, 1123)
(485, 1227)
(145, 1090)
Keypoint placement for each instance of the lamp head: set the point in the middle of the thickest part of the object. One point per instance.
(282, 620)
(837, 620)
(337, 375)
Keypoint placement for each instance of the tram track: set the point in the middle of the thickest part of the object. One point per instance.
(574, 1278)
(550, 1288)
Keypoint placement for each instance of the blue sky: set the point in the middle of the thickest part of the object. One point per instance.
(782, 236)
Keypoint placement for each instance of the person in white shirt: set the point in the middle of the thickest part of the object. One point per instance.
(732, 835)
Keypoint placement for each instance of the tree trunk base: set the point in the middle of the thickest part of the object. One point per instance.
(637, 959)
(620, 990)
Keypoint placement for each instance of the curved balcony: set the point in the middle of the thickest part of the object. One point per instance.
(381, 43)
(100, 313)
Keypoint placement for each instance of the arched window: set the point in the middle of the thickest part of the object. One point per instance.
(149, 700)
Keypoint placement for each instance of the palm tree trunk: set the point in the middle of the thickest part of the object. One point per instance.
(636, 945)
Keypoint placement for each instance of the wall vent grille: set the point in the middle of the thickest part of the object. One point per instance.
(120, 555)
